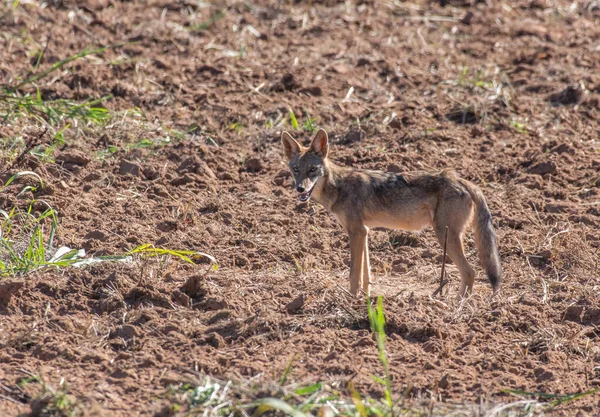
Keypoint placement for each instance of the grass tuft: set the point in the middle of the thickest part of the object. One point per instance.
(27, 244)
(310, 124)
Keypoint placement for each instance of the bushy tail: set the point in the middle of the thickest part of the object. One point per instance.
(485, 236)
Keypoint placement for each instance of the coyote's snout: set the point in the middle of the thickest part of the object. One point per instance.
(360, 199)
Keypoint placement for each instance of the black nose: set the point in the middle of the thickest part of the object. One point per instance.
(300, 189)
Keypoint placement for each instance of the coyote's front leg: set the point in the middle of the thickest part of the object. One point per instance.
(358, 237)
(366, 278)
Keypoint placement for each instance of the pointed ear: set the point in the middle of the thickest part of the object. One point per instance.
(290, 146)
(320, 144)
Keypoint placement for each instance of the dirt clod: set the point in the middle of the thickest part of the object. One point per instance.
(570, 95)
(543, 168)
(7, 290)
(129, 168)
(542, 374)
(126, 332)
(194, 287)
(73, 157)
(296, 304)
(254, 165)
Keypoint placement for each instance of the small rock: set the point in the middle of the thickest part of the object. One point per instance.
(543, 168)
(63, 185)
(129, 168)
(400, 268)
(73, 157)
(296, 304)
(254, 165)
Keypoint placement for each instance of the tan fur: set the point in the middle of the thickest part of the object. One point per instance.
(361, 199)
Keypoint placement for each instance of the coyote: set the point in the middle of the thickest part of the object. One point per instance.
(361, 199)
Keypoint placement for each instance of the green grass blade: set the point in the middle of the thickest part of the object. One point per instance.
(23, 174)
(293, 119)
(287, 370)
(309, 389)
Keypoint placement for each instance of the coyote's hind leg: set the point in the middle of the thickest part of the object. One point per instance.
(455, 213)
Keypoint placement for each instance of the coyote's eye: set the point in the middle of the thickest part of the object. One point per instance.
(295, 169)
(313, 169)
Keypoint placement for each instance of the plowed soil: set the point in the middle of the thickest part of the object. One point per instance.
(505, 93)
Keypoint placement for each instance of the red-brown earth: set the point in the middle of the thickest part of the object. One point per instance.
(505, 93)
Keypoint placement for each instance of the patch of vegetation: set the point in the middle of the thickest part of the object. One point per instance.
(310, 124)
(52, 402)
(210, 396)
(236, 126)
(27, 241)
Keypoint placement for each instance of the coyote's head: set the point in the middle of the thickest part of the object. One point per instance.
(306, 164)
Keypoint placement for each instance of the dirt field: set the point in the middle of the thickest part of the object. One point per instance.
(187, 156)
